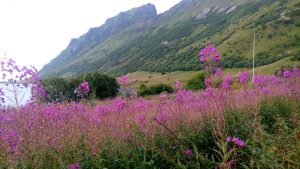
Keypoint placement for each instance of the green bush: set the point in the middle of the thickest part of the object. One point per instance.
(295, 57)
(103, 86)
(197, 82)
(59, 89)
(155, 89)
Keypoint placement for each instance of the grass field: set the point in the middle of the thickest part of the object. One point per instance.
(151, 78)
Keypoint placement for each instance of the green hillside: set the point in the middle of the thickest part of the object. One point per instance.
(151, 78)
(171, 41)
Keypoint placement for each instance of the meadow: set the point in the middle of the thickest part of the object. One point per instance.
(233, 123)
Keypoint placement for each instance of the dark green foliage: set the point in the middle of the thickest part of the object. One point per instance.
(263, 58)
(72, 85)
(239, 123)
(235, 61)
(267, 17)
(197, 82)
(59, 89)
(270, 112)
(296, 57)
(155, 89)
(103, 86)
(56, 88)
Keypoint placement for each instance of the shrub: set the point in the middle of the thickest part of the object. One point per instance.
(102, 85)
(197, 82)
(155, 89)
(296, 57)
(59, 89)
(71, 90)
(56, 88)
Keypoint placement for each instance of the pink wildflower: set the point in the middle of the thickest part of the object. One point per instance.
(188, 152)
(83, 89)
(76, 165)
(123, 80)
(238, 141)
(228, 139)
(259, 80)
(296, 71)
(243, 77)
(209, 51)
(208, 82)
(178, 85)
(140, 120)
(287, 73)
(227, 82)
(162, 117)
(219, 72)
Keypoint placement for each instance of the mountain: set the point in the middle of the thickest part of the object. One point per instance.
(139, 39)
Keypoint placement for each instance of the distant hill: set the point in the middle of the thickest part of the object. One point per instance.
(141, 40)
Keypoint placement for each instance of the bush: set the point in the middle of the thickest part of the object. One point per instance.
(72, 85)
(295, 57)
(103, 86)
(56, 88)
(197, 82)
(60, 89)
(155, 89)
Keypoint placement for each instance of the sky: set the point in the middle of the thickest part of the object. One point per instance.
(33, 32)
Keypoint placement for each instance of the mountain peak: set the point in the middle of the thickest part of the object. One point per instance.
(143, 12)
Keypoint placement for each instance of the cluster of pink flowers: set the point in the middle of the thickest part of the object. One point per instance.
(188, 152)
(209, 52)
(76, 165)
(290, 73)
(178, 85)
(162, 117)
(259, 80)
(124, 89)
(123, 80)
(22, 77)
(210, 58)
(83, 89)
(219, 73)
(237, 141)
(227, 82)
(243, 77)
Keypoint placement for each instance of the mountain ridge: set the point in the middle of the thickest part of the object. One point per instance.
(170, 41)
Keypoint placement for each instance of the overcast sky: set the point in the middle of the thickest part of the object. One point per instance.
(35, 31)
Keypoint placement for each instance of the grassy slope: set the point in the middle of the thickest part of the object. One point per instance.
(151, 78)
(275, 39)
(129, 51)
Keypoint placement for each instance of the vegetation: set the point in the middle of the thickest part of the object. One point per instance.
(249, 128)
(102, 86)
(155, 89)
(60, 89)
(197, 82)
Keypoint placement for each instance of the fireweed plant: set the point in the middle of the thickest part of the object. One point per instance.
(83, 89)
(125, 90)
(253, 126)
(19, 78)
